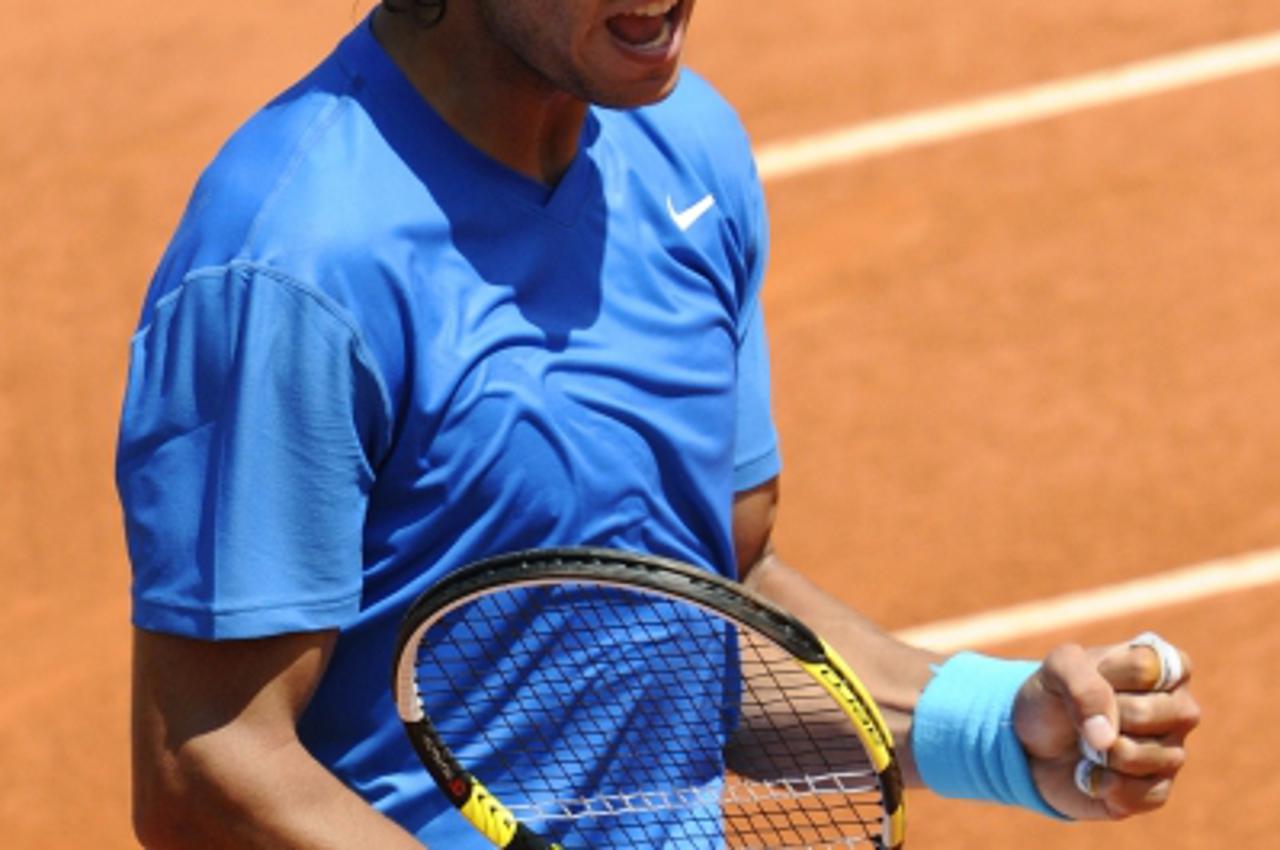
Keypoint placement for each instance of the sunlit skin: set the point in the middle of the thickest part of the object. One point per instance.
(515, 77)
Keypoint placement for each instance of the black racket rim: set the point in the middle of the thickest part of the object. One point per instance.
(663, 576)
(597, 564)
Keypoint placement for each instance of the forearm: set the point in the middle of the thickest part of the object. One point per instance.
(999, 730)
(220, 793)
(895, 673)
(964, 729)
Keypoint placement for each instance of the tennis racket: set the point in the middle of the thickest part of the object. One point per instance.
(586, 699)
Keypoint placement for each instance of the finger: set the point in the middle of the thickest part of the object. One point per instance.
(1157, 714)
(1069, 673)
(1147, 757)
(1168, 657)
(1088, 778)
(1122, 795)
(1146, 663)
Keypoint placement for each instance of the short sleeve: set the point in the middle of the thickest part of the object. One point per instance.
(251, 421)
(756, 455)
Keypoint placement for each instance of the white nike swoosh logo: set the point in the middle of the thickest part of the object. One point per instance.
(685, 218)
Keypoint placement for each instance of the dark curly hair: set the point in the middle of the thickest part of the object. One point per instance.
(426, 12)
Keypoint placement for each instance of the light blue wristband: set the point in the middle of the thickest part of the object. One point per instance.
(962, 736)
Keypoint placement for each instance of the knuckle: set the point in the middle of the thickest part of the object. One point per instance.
(1123, 754)
(1138, 712)
(1136, 796)
(1063, 657)
(1190, 711)
(1175, 759)
(1166, 761)
(1119, 809)
(1157, 794)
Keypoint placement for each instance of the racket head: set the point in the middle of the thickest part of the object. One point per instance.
(724, 721)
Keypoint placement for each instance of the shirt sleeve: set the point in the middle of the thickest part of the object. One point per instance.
(250, 421)
(756, 455)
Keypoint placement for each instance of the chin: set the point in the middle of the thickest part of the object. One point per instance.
(636, 94)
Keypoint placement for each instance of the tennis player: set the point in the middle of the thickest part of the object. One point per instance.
(488, 279)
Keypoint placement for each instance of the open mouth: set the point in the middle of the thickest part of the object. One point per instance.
(648, 27)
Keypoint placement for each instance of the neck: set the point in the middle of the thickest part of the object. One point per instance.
(487, 95)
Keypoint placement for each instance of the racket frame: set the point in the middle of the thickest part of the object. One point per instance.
(663, 577)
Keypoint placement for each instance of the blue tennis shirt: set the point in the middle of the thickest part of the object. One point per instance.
(372, 354)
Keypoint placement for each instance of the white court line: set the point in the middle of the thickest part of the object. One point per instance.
(1186, 585)
(1019, 106)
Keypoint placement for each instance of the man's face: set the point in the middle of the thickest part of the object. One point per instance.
(611, 52)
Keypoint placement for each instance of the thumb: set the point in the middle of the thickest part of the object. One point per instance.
(1073, 676)
(1098, 731)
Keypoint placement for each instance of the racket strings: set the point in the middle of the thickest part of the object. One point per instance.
(804, 779)
(607, 717)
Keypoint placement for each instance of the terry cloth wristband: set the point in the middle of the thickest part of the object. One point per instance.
(962, 736)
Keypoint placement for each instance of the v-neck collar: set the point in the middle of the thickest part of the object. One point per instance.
(367, 61)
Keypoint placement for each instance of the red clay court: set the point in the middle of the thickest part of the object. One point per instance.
(1009, 364)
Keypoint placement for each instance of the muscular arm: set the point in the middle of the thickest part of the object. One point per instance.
(216, 759)
(1143, 730)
